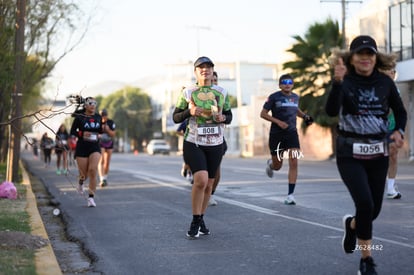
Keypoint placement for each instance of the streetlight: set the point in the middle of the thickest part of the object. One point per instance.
(198, 28)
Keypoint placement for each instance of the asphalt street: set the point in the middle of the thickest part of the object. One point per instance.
(141, 219)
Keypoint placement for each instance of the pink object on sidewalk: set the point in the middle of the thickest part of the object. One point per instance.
(8, 190)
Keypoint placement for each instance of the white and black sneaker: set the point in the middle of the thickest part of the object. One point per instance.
(269, 170)
(91, 202)
(212, 201)
(193, 233)
(79, 188)
(393, 194)
(290, 200)
(203, 230)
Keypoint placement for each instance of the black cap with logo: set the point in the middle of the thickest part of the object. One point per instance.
(363, 42)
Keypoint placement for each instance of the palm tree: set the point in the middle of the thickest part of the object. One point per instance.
(312, 73)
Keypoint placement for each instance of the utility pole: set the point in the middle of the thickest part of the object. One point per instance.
(343, 4)
(17, 94)
(198, 28)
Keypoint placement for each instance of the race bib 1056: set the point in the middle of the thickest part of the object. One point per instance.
(368, 150)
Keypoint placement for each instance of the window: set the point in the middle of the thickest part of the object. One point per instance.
(402, 29)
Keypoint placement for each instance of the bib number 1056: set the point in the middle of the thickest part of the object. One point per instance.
(368, 149)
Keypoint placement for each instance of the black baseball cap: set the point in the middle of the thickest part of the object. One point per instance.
(202, 60)
(363, 42)
(104, 112)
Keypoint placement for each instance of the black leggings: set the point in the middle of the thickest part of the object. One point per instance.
(365, 180)
(47, 155)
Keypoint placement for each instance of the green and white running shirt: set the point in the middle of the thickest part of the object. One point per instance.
(203, 130)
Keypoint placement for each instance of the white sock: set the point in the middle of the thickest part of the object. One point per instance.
(390, 184)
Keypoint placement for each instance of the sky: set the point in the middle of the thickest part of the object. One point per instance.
(129, 39)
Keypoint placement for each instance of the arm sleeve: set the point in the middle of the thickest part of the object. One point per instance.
(229, 116)
(397, 106)
(179, 115)
(333, 104)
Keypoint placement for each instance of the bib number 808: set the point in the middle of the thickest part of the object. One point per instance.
(203, 131)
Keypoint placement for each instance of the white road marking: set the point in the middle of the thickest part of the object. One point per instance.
(163, 181)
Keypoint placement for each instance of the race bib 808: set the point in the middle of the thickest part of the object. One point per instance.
(207, 130)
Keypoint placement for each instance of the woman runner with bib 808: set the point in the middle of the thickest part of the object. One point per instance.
(362, 96)
(207, 108)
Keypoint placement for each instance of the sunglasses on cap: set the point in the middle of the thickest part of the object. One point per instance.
(286, 81)
(91, 102)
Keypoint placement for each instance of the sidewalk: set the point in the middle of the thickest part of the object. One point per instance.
(45, 259)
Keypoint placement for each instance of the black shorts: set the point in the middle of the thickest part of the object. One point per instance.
(224, 146)
(199, 158)
(84, 149)
(280, 142)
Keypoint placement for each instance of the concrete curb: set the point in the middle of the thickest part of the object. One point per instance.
(45, 259)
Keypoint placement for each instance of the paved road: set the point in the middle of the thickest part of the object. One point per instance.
(141, 218)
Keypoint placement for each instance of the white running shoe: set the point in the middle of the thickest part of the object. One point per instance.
(79, 188)
(290, 200)
(395, 195)
(212, 201)
(91, 202)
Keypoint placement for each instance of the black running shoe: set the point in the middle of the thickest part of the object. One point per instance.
(193, 232)
(203, 229)
(349, 239)
(367, 267)
(104, 183)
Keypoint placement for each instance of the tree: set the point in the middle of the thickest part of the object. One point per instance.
(311, 71)
(131, 110)
(45, 22)
(233, 101)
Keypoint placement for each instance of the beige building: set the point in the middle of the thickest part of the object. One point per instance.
(250, 83)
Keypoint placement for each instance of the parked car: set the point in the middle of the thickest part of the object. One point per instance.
(158, 146)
